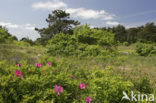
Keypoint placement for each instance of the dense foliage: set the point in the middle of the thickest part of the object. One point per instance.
(145, 33)
(27, 40)
(37, 83)
(84, 42)
(145, 49)
(5, 37)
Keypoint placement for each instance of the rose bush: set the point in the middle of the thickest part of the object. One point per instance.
(60, 83)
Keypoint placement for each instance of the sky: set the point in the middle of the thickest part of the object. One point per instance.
(20, 17)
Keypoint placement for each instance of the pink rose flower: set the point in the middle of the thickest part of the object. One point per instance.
(82, 86)
(18, 65)
(58, 89)
(88, 100)
(38, 65)
(18, 73)
(73, 77)
(49, 64)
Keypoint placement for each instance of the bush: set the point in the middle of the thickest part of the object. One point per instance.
(126, 44)
(83, 34)
(145, 49)
(36, 84)
(5, 37)
(84, 42)
(143, 85)
(92, 50)
(21, 43)
(62, 44)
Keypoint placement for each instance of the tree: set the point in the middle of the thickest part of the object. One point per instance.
(120, 33)
(58, 22)
(148, 33)
(132, 35)
(27, 40)
(5, 36)
(41, 41)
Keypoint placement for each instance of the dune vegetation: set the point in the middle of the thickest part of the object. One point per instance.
(78, 64)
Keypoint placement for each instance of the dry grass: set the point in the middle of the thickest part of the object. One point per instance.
(13, 53)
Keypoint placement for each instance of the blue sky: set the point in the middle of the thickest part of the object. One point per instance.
(22, 16)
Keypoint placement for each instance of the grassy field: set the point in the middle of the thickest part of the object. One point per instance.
(14, 53)
(131, 66)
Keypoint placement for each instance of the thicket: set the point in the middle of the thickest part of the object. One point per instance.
(39, 83)
(144, 49)
(84, 42)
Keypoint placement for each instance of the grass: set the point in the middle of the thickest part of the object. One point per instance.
(131, 66)
(137, 67)
(13, 53)
(129, 48)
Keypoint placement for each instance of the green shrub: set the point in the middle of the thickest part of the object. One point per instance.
(21, 43)
(83, 34)
(145, 49)
(143, 85)
(37, 83)
(153, 52)
(62, 44)
(84, 42)
(92, 50)
(126, 43)
(5, 37)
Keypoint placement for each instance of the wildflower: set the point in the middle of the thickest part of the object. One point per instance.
(18, 73)
(88, 100)
(18, 65)
(38, 65)
(73, 76)
(82, 86)
(49, 64)
(58, 89)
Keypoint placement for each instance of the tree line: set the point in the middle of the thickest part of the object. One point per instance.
(145, 33)
(59, 22)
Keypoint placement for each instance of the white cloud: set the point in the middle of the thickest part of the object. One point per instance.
(82, 13)
(9, 25)
(90, 14)
(109, 17)
(91, 26)
(55, 4)
(112, 23)
(20, 31)
(29, 27)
